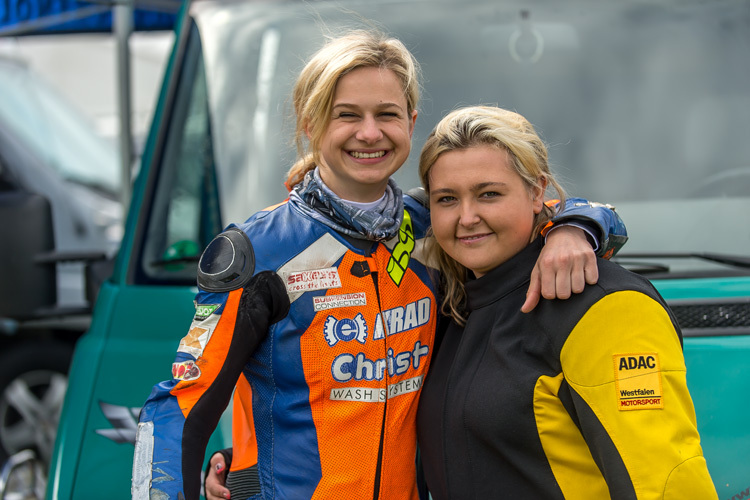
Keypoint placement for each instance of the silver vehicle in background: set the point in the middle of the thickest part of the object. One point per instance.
(59, 208)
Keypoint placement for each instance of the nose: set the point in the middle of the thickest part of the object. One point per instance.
(369, 130)
(468, 215)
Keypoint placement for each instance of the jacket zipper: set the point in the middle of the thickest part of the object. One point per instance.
(445, 407)
(381, 445)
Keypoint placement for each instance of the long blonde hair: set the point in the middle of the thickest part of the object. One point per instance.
(490, 126)
(316, 84)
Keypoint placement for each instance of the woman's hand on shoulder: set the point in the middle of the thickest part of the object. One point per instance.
(566, 264)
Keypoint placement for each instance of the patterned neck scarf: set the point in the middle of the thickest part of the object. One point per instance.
(315, 199)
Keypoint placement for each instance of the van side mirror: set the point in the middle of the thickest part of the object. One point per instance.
(26, 231)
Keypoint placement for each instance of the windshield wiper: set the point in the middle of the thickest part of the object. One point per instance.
(730, 260)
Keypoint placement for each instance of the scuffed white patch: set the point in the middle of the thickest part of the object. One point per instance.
(143, 457)
(198, 336)
(321, 254)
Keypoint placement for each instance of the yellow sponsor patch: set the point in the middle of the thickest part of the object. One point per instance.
(399, 261)
(638, 381)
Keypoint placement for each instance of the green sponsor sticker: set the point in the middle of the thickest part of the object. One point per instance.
(203, 311)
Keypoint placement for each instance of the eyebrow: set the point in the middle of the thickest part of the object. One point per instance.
(476, 187)
(382, 105)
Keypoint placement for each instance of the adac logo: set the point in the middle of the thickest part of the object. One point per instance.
(638, 381)
(637, 362)
(402, 251)
(345, 329)
(203, 311)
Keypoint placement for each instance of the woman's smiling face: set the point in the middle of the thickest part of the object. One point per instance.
(482, 211)
(369, 136)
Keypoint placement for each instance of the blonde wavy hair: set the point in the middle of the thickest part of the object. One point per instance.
(485, 126)
(313, 92)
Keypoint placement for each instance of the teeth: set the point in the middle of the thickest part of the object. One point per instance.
(362, 156)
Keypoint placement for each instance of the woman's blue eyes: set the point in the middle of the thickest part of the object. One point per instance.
(485, 195)
(445, 199)
(347, 114)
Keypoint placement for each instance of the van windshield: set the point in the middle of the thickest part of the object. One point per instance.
(643, 105)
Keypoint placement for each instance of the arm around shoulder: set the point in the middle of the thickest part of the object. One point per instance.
(599, 220)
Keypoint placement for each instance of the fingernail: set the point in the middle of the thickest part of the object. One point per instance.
(219, 467)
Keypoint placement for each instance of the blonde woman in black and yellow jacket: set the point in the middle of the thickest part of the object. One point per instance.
(579, 399)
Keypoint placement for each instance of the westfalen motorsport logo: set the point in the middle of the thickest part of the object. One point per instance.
(353, 366)
(638, 381)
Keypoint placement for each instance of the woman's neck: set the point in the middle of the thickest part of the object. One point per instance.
(364, 205)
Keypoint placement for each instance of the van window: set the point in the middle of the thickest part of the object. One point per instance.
(184, 215)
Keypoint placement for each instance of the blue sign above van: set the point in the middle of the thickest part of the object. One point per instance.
(34, 17)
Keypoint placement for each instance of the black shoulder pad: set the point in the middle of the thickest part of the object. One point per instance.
(227, 263)
(420, 195)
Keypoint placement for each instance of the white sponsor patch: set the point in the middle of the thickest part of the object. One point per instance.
(374, 395)
(200, 333)
(187, 370)
(363, 394)
(142, 458)
(405, 386)
(335, 301)
(325, 252)
(316, 279)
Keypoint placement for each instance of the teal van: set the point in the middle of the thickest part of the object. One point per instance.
(644, 104)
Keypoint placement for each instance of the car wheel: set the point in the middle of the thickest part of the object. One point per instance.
(33, 380)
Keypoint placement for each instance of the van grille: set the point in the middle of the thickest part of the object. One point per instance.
(713, 318)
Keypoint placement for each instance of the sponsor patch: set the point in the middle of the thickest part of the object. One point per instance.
(349, 366)
(335, 301)
(638, 381)
(401, 254)
(187, 370)
(317, 279)
(144, 456)
(345, 329)
(203, 311)
(402, 318)
(375, 395)
(200, 333)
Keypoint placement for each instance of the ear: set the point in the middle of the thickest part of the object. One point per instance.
(307, 131)
(537, 193)
(412, 122)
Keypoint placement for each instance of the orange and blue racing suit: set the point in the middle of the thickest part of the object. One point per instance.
(334, 335)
